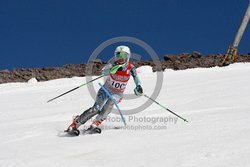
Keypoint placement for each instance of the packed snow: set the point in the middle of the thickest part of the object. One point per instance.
(215, 101)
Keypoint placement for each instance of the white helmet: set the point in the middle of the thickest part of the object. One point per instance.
(122, 55)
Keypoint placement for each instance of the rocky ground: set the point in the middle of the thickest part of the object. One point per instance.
(175, 62)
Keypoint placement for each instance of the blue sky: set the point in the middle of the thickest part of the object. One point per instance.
(46, 33)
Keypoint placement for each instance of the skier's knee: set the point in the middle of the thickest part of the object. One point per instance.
(97, 108)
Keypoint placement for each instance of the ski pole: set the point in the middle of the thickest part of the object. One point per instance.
(74, 89)
(166, 108)
(106, 91)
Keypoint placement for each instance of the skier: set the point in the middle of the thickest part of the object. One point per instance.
(118, 74)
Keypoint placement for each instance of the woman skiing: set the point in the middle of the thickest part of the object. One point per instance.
(118, 75)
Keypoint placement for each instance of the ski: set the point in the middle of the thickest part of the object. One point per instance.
(75, 132)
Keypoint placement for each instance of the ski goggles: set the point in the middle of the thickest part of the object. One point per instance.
(121, 57)
(122, 54)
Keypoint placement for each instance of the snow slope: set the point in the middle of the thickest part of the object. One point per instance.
(214, 100)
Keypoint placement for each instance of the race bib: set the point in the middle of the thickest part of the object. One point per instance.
(116, 84)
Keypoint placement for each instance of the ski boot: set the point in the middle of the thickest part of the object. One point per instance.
(93, 130)
(72, 129)
(94, 127)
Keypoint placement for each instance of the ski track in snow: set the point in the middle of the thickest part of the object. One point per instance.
(215, 101)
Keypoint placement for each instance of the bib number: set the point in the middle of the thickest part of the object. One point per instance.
(116, 84)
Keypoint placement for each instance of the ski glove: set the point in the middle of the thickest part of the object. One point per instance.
(138, 90)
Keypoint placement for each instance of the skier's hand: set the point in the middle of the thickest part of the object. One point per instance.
(106, 69)
(138, 90)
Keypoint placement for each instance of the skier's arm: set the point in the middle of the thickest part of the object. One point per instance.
(138, 89)
(106, 69)
(134, 74)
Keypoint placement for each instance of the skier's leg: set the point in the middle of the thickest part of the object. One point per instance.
(104, 113)
(86, 115)
(101, 99)
(107, 108)
(101, 117)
